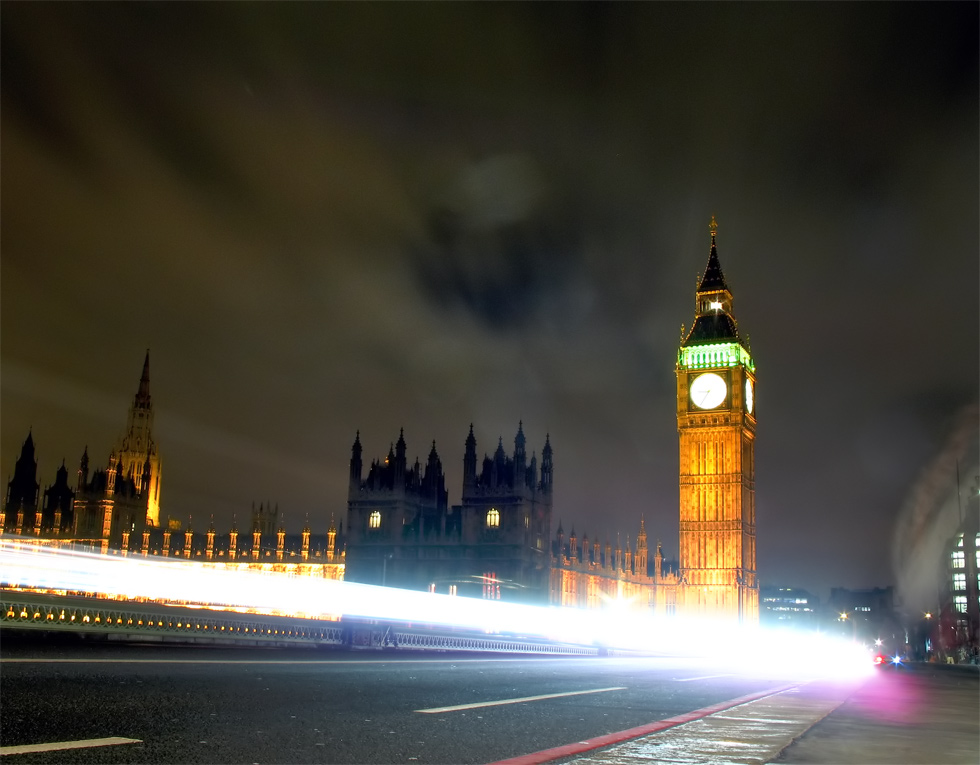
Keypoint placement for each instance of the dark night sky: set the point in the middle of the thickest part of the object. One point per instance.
(329, 217)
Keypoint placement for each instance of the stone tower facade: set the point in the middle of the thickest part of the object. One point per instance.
(716, 423)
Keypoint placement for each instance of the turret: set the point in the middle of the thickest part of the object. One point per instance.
(82, 471)
(210, 546)
(331, 539)
(469, 461)
(355, 463)
(520, 457)
(305, 546)
(400, 459)
(233, 539)
(546, 466)
(641, 550)
(256, 538)
(110, 475)
(22, 490)
(189, 538)
(499, 464)
(281, 540)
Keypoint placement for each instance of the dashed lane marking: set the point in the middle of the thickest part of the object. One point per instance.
(501, 702)
(57, 746)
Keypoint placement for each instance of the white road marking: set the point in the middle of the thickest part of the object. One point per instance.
(703, 677)
(479, 704)
(60, 745)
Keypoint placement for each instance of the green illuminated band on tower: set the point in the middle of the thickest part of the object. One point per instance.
(715, 355)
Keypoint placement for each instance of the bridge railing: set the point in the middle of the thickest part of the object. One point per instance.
(126, 621)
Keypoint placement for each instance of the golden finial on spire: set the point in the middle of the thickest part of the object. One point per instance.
(713, 227)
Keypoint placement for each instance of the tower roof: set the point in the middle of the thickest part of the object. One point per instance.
(712, 328)
(143, 393)
(713, 279)
(714, 322)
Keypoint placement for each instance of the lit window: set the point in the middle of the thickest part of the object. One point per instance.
(493, 518)
(959, 540)
(959, 581)
(959, 602)
(374, 521)
(957, 559)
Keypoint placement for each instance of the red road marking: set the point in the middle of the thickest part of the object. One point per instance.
(579, 747)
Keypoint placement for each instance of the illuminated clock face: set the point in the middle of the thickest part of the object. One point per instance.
(708, 390)
(749, 396)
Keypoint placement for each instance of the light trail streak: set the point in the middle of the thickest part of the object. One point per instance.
(734, 647)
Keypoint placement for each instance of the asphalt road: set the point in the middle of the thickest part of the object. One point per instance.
(221, 705)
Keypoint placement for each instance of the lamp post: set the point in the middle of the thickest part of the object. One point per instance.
(384, 567)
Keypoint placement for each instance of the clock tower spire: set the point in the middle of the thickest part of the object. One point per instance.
(716, 429)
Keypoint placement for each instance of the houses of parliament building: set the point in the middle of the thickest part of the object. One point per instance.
(499, 541)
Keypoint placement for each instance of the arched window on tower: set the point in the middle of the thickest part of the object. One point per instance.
(493, 518)
(374, 521)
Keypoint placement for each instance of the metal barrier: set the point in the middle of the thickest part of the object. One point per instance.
(130, 621)
(121, 620)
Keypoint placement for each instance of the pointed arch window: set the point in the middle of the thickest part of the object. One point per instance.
(493, 518)
(374, 520)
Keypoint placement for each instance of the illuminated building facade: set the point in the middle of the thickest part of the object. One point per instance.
(592, 575)
(264, 546)
(716, 420)
(125, 496)
(401, 530)
(957, 633)
(117, 510)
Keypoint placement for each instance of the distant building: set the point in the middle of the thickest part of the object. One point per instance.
(788, 607)
(864, 614)
(957, 631)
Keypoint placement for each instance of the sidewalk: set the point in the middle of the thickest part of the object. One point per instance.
(917, 715)
(920, 715)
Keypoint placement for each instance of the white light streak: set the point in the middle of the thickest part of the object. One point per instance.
(736, 648)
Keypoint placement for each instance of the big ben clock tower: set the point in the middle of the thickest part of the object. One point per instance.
(716, 412)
